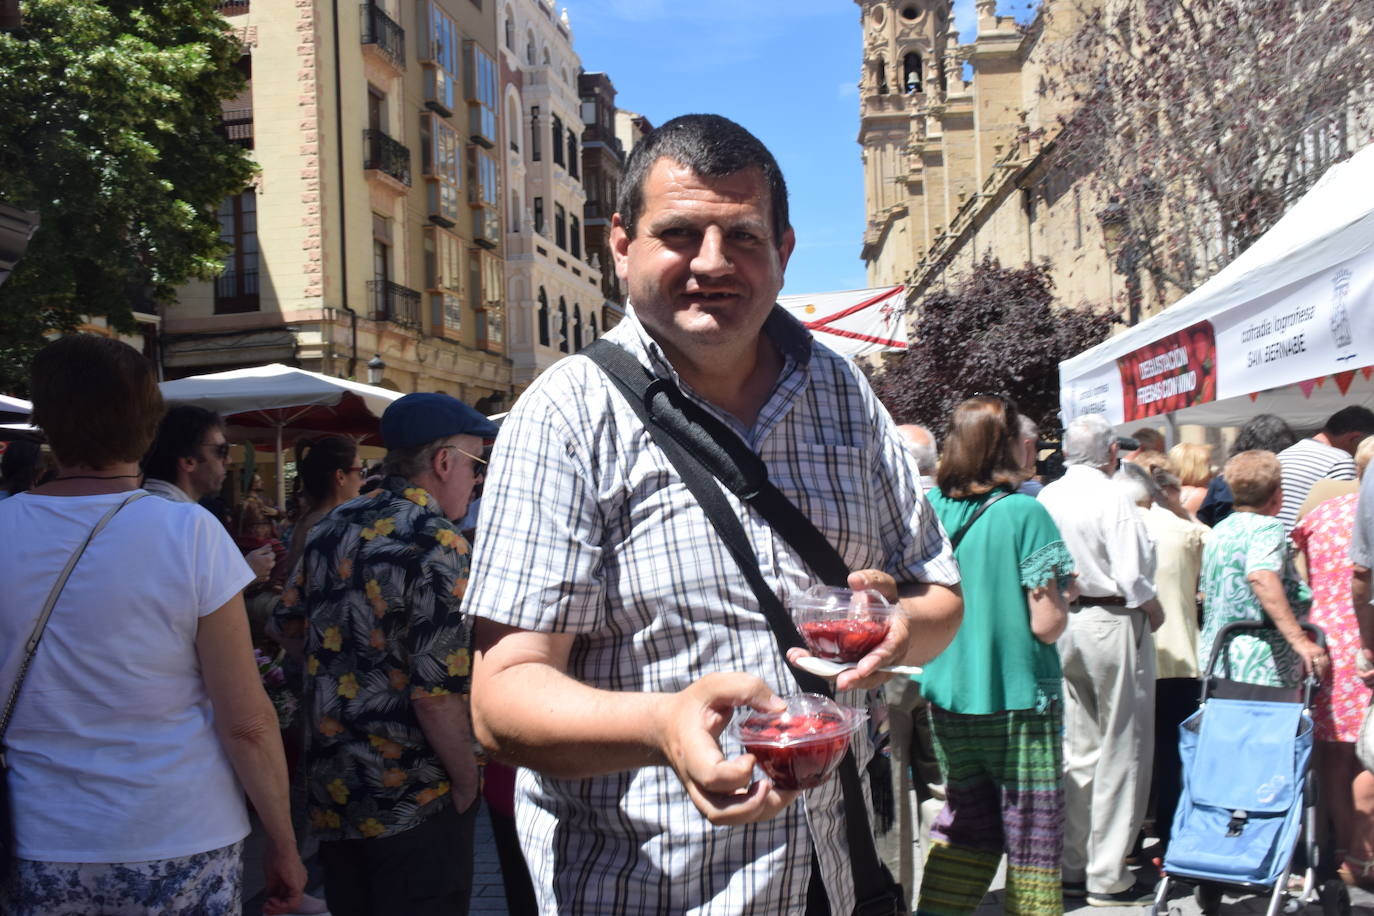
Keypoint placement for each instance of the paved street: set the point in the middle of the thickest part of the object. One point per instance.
(488, 896)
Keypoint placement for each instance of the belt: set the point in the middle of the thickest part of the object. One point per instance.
(1102, 601)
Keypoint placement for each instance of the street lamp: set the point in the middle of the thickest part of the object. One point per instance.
(1122, 248)
(375, 368)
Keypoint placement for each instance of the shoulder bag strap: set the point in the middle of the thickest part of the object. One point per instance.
(963, 530)
(870, 875)
(31, 646)
(718, 449)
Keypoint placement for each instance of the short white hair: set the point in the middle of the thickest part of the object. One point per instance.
(1136, 481)
(1029, 429)
(1088, 440)
(923, 452)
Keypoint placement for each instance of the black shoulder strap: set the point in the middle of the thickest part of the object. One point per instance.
(700, 459)
(963, 530)
(721, 452)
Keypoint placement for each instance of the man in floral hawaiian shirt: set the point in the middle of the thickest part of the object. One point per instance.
(391, 777)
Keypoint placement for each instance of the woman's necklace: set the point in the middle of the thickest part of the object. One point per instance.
(98, 477)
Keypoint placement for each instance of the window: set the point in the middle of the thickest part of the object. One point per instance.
(487, 300)
(577, 327)
(236, 290)
(572, 154)
(543, 318)
(575, 237)
(484, 196)
(439, 163)
(560, 226)
(510, 34)
(558, 140)
(591, 326)
(880, 75)
(529, 49)
(534, 133)
(439, 53)
(515, 214)
(562, 325)
(588, 112)
(480, 72)
(513, 125)
(539, 215)
(443, 280)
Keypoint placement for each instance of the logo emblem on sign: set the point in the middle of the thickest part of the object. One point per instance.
(1340, 314)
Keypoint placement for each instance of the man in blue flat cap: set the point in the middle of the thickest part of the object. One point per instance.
(390, 775)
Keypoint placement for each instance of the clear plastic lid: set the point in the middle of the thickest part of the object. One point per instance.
(809, 717)
(827, 600)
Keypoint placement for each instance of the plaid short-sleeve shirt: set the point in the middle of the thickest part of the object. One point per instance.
(587, 529)
(380, 587)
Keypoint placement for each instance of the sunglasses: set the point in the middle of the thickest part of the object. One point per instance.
(220, 451)
(477, 462)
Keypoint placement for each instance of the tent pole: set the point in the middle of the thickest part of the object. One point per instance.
(1172, 438)
(281, 475)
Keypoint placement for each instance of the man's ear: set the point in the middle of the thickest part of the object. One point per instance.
(786, 245)
(186, 464)
(620, 247)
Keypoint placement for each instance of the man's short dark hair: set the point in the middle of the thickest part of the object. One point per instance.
(712, 147)
(179, 435)
(96, 399)
(1353, 419)
(1266, 433)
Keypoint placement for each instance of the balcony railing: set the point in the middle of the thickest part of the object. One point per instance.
(231, 7)
(394, 303)
(237, 126)
(386, 155)
(382, 31)
(236, 291)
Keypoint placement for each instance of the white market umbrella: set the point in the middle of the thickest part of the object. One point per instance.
(280, 398)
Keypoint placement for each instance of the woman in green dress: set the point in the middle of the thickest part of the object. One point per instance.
(995, 692)
(1248, 574)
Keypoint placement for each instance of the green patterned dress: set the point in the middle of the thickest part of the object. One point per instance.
(1243, 543)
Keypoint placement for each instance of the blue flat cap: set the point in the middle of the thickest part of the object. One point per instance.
(427, 416)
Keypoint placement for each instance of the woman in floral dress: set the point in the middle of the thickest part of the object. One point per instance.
(1323, 536)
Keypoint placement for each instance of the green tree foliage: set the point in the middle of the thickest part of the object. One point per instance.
(998, 332)
(110, 128)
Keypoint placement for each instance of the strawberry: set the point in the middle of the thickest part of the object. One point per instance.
(844, 641)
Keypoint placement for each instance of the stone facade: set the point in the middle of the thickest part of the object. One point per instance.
(373, 228)
(554, 289)
(603, 161)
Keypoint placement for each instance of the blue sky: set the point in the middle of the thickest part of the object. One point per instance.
(788, 70)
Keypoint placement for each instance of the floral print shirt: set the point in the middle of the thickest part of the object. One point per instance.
(379, 588)
(1242, 543)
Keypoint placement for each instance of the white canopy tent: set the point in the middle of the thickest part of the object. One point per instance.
(1286, 328)
(855, 322)
(280, 398)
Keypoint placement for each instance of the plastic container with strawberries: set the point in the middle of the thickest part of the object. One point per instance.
(841, 625)
(800, 747)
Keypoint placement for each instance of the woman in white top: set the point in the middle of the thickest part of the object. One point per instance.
(141, 721)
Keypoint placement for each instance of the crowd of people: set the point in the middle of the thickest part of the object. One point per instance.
(588, 635)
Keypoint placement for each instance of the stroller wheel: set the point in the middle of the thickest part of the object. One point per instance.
(1335, 898)
(1208, 899)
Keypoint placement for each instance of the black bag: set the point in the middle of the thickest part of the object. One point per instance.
(703, 450)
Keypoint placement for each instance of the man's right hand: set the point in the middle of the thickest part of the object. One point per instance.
(687, 731)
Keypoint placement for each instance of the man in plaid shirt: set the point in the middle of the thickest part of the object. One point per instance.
(617, 634)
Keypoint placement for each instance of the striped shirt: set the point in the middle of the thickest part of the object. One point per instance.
(587, 529)
(1304, 463)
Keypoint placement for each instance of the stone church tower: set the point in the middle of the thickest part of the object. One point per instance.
(929, 140)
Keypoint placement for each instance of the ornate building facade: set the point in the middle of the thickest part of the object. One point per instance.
(373, 230)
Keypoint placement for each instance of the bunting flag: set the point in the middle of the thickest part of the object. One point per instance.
(1307, 385)
(854, 322)
(1344, 380)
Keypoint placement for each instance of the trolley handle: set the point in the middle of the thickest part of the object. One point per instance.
(1236, 627)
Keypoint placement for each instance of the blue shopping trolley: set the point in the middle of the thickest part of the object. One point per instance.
(1248, 793)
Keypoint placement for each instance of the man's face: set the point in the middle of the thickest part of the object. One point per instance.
(704, 266)
(457, 470)
(211, 463)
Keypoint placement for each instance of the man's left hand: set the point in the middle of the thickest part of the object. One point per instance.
(890, 651)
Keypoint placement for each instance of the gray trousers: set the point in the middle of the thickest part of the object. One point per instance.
(1109, 699)
(914, 770)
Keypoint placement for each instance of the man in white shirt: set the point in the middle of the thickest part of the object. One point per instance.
(1327, 455)
(1108, 669)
